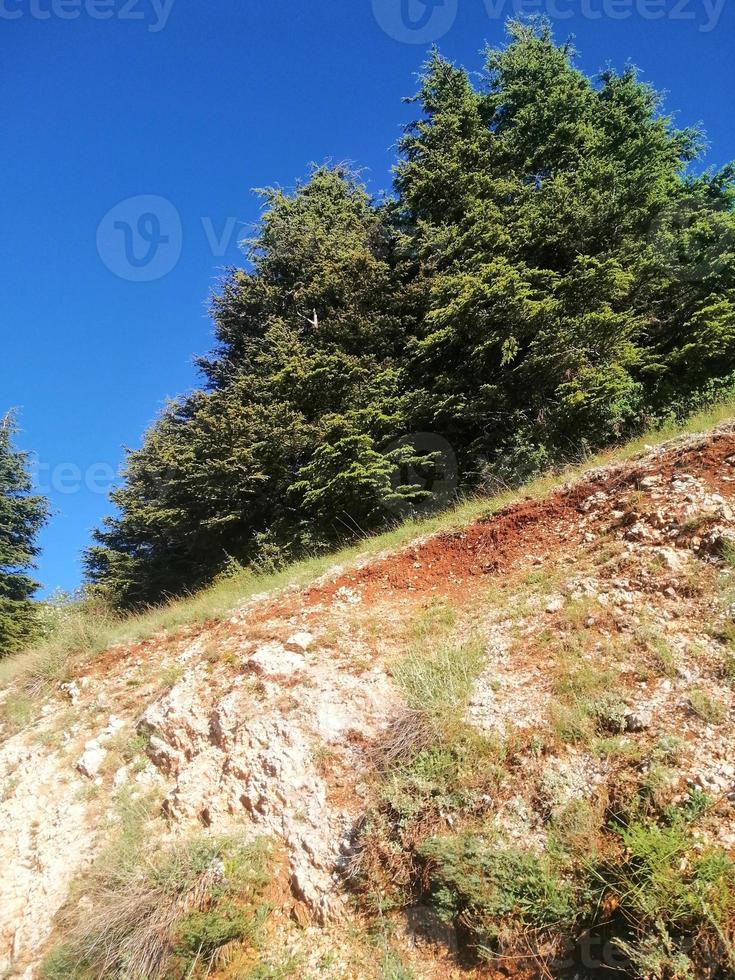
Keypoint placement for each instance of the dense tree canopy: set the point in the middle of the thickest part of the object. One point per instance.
(22, 515)
(551, 273)
(282, 451)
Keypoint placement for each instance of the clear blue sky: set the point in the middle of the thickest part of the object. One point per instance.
(197, 103)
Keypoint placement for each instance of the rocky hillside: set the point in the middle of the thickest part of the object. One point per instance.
(505, 751)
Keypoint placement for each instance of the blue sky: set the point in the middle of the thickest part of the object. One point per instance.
(107, 100)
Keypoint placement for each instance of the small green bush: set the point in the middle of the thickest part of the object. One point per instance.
(608, 712)
(491, 885)
(444, 778)
(676, 899)
(728, 553)
(665, 661)
(203, 932)
(706, 707)
(571, 723)
(576, 828)
(393, 968)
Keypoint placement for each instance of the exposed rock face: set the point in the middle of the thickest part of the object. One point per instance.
(45, 839)
(90, 762)
(241, 753)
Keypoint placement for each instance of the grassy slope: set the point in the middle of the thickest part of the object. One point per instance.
(84, 633)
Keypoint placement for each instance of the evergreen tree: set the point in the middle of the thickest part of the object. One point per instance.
(303, 372)
(21, 517)
(534, 335)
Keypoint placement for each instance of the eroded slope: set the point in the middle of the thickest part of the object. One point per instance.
(603, 616)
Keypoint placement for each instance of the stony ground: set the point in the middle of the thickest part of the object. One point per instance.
(267, 723)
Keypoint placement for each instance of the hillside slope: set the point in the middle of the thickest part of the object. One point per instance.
(436, 745)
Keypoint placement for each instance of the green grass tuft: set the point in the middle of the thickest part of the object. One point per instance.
(439, 682)
(706, 707)
(152, 913)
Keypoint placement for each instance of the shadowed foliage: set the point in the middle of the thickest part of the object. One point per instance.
(22, 514)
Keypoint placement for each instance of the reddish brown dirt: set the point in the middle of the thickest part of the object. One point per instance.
(455, 564)
(532, 527)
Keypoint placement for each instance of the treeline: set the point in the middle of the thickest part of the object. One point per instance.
(22, 515)
(551, 273)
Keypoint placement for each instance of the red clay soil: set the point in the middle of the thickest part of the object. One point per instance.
(537, 528)
(450, 563)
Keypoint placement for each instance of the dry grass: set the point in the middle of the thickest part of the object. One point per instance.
(408, 733)
(137, 925)
(144, 912)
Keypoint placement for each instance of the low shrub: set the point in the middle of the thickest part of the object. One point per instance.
(676, 900)
(624, 872)
(203, 932)
(706, 707)
(149, 914)
(498, 892)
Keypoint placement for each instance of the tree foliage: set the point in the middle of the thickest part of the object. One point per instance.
(551, 273)
(22, 514)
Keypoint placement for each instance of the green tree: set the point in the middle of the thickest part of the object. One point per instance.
(540, 328)
(22, 514)
(303, 370)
